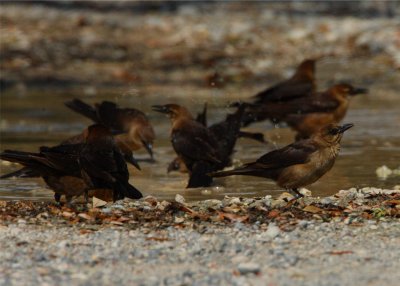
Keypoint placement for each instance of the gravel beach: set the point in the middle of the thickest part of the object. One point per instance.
(351, 238)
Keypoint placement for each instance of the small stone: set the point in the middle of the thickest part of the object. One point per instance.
(179, 199)
(163, 205)
(272, 231)
(383, 172)
(305, 192)
(249, 267)
(179, 219)
(98, 203)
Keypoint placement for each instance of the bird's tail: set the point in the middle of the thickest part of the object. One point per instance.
(25, 172)
(82, 108)
(244, 170)
(202, 117)
(20, 157)
(132, 193)
(122, 190)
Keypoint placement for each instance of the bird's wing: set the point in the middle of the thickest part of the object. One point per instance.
(317, 104)
(195, 145)
(83, 108)
(98, 164)
(296, 153)
(284, 91)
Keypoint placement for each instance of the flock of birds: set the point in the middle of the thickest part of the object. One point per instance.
(94, 163)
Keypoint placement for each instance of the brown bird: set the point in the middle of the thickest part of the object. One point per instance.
(300, 84)
(298, 164)
(195, 145)
(137, 130)
(307, 115)
(226, 132)
(103, 166)
(58, 166)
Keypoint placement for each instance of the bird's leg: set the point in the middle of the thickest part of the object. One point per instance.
(86, 196)
(298, 195)
(57, 198)
(69, 200)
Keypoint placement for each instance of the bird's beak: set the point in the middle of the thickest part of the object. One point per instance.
(344, 127)
(133, 161)
(161, 108)
(358, 90)
(149, 148)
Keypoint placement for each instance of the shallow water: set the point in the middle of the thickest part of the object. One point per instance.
(33, 118)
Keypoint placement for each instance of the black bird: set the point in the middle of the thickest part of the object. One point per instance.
(103, 166)
(58, 166)
(137, 132)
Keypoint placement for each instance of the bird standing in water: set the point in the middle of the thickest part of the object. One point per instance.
(136, 130)
(302, 83)
(194, 144)
(103, 166)
(298, 164)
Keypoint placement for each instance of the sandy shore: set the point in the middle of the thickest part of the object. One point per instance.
(351, 238)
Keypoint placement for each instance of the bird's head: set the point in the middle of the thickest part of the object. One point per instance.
(332, 134)
(306, 69)
(174, 111)
(345, 90)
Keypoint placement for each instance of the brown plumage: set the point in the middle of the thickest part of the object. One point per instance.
(306, 115)
(299, 164)
(137, 130)
(103, 166)
(194, 144)
(298, 85)
(226, 131)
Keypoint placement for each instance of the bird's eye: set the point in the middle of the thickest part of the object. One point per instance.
(334, 131)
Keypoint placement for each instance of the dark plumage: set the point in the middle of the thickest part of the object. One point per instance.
(300, 84)
(58, 166)
(103, 165)
(137, 132)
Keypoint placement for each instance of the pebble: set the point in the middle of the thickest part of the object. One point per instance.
(180, 199)
(272, 231)
(249, 267)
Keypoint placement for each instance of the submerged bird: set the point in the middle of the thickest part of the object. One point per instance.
(137, 130)
(298, 85)
(103, 166)
(194, 144)
(298, 164)
(70, 170)
(308, 114)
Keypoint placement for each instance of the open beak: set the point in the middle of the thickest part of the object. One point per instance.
(161, 108)
(344, 127)
(358, 90)
(149, 148)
